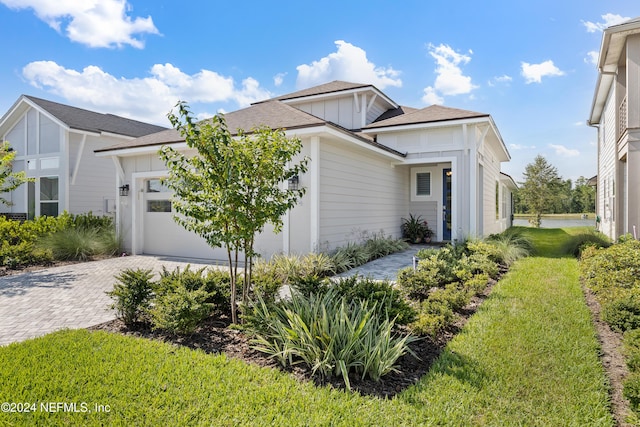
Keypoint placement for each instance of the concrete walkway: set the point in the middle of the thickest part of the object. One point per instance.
(386, 268)
(71, 296)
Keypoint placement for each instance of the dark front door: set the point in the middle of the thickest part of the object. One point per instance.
(446, 204)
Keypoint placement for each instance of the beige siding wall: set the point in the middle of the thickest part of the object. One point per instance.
(492, 218)
(267, 243)
(606, 169)
(95, 183)
(360, 192)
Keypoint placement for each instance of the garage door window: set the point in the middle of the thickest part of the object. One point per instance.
(155, 186)
(158, 205)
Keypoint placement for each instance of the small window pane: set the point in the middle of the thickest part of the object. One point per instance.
(155, 186)
(423, 184)
(159, 206)
(49, 136)
(49, 209)
(31, 200)
(49, 188)
(50, 163)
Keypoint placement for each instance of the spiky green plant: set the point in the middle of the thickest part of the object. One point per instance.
(331, 335)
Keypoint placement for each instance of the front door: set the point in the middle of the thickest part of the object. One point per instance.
(446, 204)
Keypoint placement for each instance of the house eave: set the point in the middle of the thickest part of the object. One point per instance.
(423, 125)
(336, 93)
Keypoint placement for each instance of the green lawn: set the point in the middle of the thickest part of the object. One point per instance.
(529, 356)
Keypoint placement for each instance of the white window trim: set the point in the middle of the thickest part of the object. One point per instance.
(414, 184)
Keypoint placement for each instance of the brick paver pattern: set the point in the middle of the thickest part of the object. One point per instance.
(71, 296)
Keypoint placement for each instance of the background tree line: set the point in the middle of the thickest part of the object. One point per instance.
(544, 191)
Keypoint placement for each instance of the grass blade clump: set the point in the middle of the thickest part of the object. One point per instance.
(331, 335)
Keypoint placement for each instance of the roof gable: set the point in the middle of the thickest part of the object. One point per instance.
(431, 114)
(331, 87)
(86, 120)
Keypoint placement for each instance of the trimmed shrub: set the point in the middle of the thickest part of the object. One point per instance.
(311, 285)
(632, 349)
(453, 295)
(181, 310)
(331, 335)
(615, 267)
(433, 318)
(477, 283)
(216, 283)
(631, 390)
(132, 295)
(622, 314)
(388, 301)
(266, 284)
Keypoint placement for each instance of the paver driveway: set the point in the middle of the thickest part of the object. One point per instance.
(70, 296)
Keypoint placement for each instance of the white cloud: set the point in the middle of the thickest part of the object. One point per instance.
(608, 20)
(563, 151)
(349, 63)
(431, 97)
(533, 73)
(95, 23)
(592, 57)
(450, 80)
(278, 79)
(521, 147)
(504, 79)
(149, 98)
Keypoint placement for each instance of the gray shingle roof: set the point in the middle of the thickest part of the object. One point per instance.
(334, 86)
(80, 119)
(433, 113)
(272, 114)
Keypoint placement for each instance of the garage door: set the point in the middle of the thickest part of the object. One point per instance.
(162, 235)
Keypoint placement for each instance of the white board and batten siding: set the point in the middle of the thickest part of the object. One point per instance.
(344, 111)
(360, 192)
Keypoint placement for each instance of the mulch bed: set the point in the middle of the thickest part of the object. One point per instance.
(612, 360)
(214, 336)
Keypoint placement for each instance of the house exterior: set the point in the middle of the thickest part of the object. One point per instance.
(615, 112)
(372, 162)
(54, 145)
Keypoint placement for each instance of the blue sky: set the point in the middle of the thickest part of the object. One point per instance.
(531, 65)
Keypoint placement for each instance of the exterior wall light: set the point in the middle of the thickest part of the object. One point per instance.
(124, 190)
(293, 183)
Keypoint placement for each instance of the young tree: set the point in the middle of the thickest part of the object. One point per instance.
(231, 188)
(540, 190)
(9, 180)
(584, 196)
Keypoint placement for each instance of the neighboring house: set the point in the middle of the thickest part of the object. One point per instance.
(372, 162)
(55, 145)
(615, 111)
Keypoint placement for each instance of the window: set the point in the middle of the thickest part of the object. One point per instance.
(49, 163)
(31, 200)
(158, 205)
(423, 184)
(49, 196)
(504, 202)
(155, 186)
(497, 200)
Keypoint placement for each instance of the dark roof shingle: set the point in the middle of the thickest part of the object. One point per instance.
(81, 119)
(433, 113)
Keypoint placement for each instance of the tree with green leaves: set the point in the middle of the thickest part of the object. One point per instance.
(584, 197)
(540, 191)
(9, 180)
(232, 186)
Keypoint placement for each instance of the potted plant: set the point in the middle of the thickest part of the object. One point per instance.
(416, 230)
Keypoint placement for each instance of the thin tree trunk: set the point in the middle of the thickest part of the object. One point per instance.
(232, 281)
